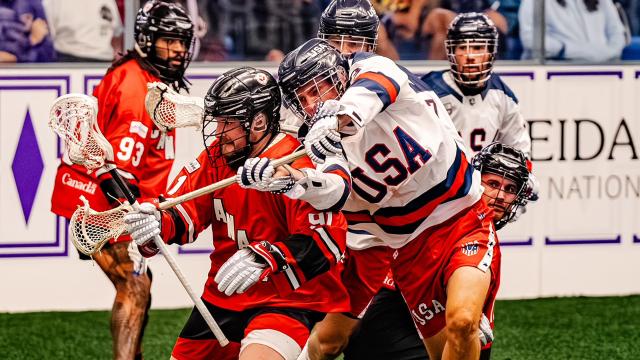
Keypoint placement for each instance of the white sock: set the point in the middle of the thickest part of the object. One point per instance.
(304, 354)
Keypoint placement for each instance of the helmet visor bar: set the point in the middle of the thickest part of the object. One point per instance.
(226, 137)
(348, 44)
(471, 60)
(305, 98)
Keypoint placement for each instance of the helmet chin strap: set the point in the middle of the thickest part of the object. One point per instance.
(139, 51)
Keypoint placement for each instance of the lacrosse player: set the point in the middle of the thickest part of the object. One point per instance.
(413, 186)
(349, 26)
(387, 330)
(143, 153)
(483, 109)
(273, 272)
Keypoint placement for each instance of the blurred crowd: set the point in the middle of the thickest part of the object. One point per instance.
(92, 30)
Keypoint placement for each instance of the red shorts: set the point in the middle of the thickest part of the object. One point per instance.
(284, 330)
(422, 268)
(363, 275)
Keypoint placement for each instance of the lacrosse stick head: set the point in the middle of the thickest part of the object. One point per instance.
(170, 110)
(91, 230)
(74, 118)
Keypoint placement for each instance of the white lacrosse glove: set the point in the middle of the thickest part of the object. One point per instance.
(239, 272)
(143, 225)
(484, 331)
(323, 139)
(248, 266)
(257, 173)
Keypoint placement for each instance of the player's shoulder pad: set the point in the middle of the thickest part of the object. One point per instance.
(360, 56)
(360, 62)
(435, 80)
(371, 62)
(496, 83)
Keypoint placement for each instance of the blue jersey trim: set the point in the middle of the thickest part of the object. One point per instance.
(378, 89)
(435, 81)
(496, 83)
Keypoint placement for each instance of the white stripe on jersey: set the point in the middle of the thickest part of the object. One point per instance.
(185, 215)
(488, 257)
(330, 243)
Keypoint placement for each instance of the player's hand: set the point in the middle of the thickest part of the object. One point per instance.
(484, 331)
(259, 174)
(241, 271)
(143, 225)
(248, 266)
(323, 139)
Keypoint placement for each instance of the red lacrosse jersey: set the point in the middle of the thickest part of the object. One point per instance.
(141, 151)
(313, 241)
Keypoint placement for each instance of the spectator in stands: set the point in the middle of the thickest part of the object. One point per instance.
(581, 30)
(253, 28)
(85, 30)
(438, 20)
(208, 30)
(400, 33)
(24, 34)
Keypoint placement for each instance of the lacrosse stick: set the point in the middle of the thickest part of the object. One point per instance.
(91, 230)
(73, 118)
(170, 110)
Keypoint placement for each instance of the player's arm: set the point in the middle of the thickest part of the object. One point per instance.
(316, 244)
(375, 87)
(115, 122)
(325, 186)
(180, 224)
(125, 123)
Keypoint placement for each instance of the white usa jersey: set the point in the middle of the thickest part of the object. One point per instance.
(492, 115)
(409, 166)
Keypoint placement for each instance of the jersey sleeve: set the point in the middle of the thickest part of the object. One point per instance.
(182, 223)
(316, 244)
(375, 84)
(326, 187)
(514, 131)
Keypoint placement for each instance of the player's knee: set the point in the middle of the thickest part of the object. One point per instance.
(136, 289)
(462, 324)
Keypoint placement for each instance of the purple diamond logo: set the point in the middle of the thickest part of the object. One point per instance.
(27, 166)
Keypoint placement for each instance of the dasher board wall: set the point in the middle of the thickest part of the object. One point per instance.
(581, 238)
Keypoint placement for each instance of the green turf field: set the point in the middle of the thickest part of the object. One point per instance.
(548, 329)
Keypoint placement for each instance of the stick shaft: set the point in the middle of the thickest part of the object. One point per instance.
(224, 183)
(217, 332)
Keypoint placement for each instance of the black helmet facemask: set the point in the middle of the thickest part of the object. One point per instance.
(509, 163)
(307, 67)
(237, 99)
(474, 36)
